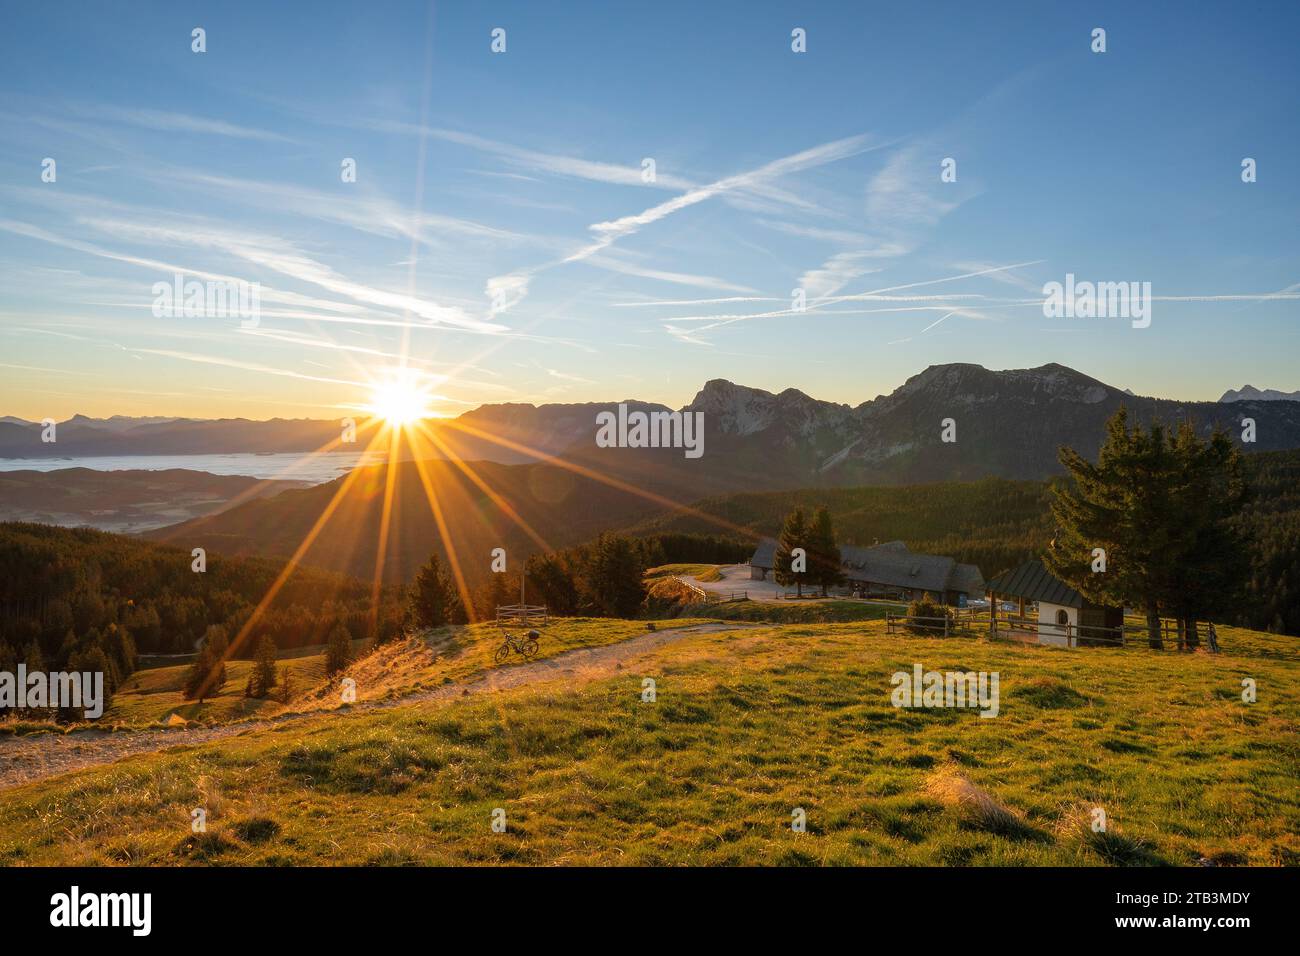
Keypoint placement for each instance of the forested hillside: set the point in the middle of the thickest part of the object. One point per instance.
(58, 582)
(993, 523)
(996, 523)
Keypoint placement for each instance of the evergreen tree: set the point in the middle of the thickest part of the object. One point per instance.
(285, 685)
(35, 662)
(1126, 504)
(1210, 575)
(552, 583)
(119, 649)
(90, 660)
(823, 553)
(794, 534)
(615, 575)
(338, 650)
(434, 600)
(262, 677)
(207, 675)
(499, 590)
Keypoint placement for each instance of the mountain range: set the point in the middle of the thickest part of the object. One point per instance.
(1008, 424)
(1005, 423)
(1251, 393)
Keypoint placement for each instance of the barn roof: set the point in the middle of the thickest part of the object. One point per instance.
(765, 554)
(892, 564)
(1033, 582)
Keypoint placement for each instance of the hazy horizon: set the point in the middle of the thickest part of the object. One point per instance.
(693, 392)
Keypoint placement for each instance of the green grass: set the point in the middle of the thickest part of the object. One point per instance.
(747, 726)
(813, 612)
(152, 695)
(701, 572)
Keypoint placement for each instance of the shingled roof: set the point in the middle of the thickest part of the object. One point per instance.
(765, 554)
(1033, 582)
(893, 565)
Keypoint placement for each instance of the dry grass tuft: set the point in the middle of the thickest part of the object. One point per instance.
(1075, 825)
(974, 806)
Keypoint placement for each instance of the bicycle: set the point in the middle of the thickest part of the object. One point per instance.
(526, 647)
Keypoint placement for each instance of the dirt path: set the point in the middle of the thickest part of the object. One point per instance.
(35, 757)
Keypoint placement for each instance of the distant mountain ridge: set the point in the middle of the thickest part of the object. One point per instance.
(1007, 424)
(81, 436)
(1252, 394)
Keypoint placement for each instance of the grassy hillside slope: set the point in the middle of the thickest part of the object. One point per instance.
(747, 726)
(153, 695)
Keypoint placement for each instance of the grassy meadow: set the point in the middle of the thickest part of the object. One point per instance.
(701, 572)
(151, 697)
(748, 725)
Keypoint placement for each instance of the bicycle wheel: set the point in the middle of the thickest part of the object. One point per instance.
(529, 650)
(502, 654)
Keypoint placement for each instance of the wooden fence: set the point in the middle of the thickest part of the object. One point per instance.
(972, 622)
(712, 597)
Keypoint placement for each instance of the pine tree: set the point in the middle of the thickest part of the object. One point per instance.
(35, 662)
(552, 580)
(207, 675)
(89, 660)
(1213, 562)
(794, 534)
(262, 677)
(338, 649)
(499, 590)
(1127, 505)
(434, 600)
(824, 559)
(285, 685)
(615, 575)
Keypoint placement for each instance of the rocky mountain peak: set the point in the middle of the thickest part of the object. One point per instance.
(1249, 393)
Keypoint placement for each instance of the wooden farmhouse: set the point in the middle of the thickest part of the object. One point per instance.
(1049, 610)
(890, 571)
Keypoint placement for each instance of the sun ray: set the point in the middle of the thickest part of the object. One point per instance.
(290, 566)
(594, 475)
(284, 474)
(499, 500)
(450, 546)
(385, 517)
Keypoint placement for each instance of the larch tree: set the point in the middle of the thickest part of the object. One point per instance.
(794, 534)
(824, 559)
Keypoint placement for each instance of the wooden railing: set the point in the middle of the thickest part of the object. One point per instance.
(711, 597)
(936, 626)
(972, 622)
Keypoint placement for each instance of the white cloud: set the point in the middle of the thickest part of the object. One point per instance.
(680, 278)
(181, 123)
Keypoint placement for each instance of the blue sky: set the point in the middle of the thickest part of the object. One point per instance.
(501, 234)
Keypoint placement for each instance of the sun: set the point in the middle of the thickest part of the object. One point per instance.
(401, 398)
